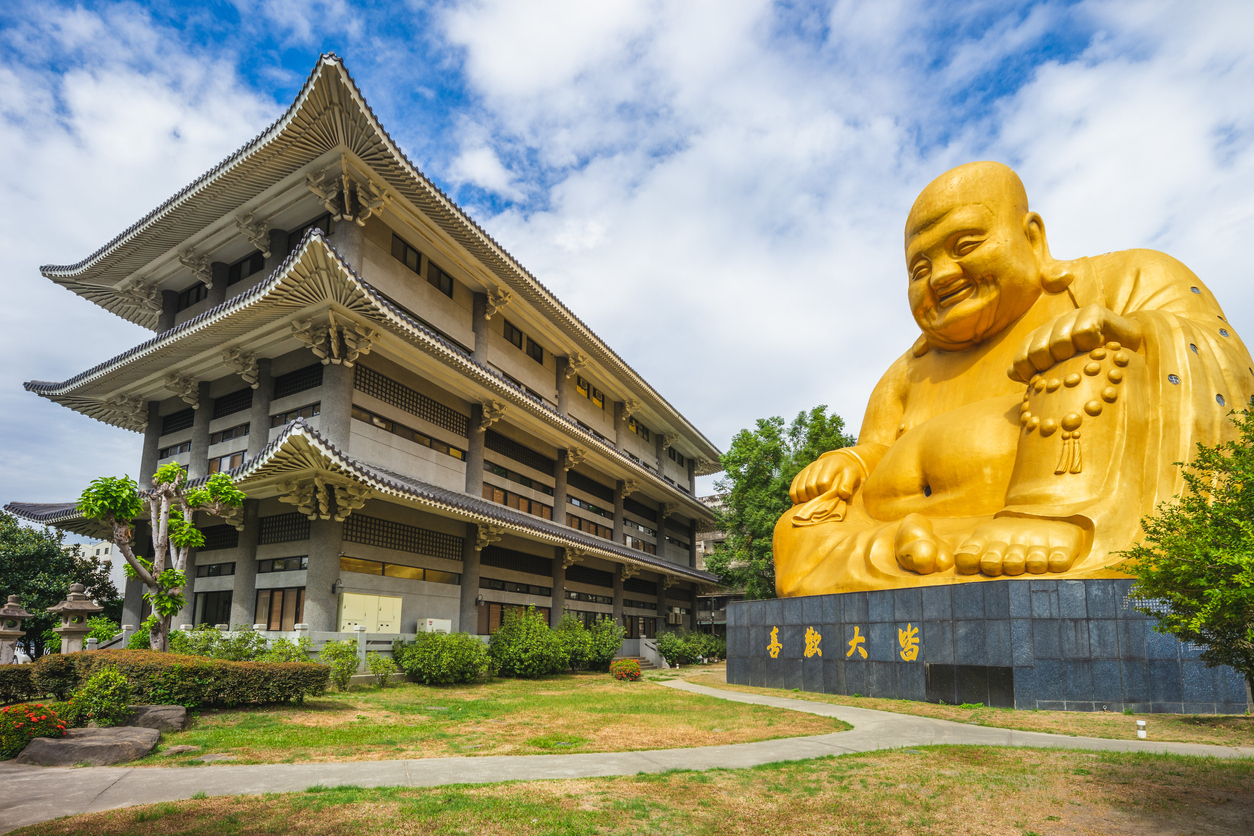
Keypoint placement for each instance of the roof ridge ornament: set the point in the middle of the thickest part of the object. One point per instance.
(137, 293)
(669, 439)
(664, 510)
(198, 264)
(493, 411)
(630, 571)
(347, 198)
(187, 388)
(571, 556)
(245, 365)
(257, 232)
(487, 535)
(630, 486)
(130, 410)
(573, 456)
(498, 298)
(576, 361)
(335, 342)
(629, 408)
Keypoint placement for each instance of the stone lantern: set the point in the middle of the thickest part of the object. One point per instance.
(11, 615)
(74, 612)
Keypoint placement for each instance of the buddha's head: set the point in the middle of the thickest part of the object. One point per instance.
(974, 254)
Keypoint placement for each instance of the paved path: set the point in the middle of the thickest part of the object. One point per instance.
(33, 794)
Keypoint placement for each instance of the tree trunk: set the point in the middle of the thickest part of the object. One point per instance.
(159, 639)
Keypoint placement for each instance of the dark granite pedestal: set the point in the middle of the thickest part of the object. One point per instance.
(1047, 644)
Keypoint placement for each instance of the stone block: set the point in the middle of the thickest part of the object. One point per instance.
(1101, 599)
(1197, 682)
(1165, 682)
(773, 611)
(733, 616)
(880, 606)
(997, 642)
(1166, 708)
(98, 747)
(1046, 643)
(790, 674)
(1080, 705)
(1020, 595)
(1001, 686)
(997, 599)
(969, 643)
(942, 683)
(908, 606)
(812, 610)
(1161, 646)
(1135, 677)
(792, 636)
(937, 603)
(911, 681)
(937, 642)
(1042, 602)
(165, 718)
(793, 611)
(812, 674)
(972, 684)
(855, 608)
(881, 644)
(968, 601)
(1051, 705)
(1199, 708)
(1074, 638)
(1229, 687)
(1107, 681)
(1050, 685)
(831, 609)
(882, 680)
(1132, 638)
(759, 640)
(855, 677)
(844, 648)
(1103, 638)
(733, 666)
(1025, 687)
(1043, 586)
(1071, 600)
(1077, 680)
(833, 676)
(1022, 650)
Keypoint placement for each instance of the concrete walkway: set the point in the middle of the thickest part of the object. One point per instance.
(33, 794)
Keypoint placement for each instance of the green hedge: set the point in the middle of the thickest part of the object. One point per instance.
(444, 658)
(173, 679)
(16, 684)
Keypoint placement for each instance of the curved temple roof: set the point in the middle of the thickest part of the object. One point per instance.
(312, 275)
(300, 452)
(330, 112)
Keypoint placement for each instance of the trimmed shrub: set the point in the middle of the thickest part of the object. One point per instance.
(104, 699)
(16, 683)
(525, 646)
(341, 659)
(286, 650)
(192, 681)
(54, 674)
(606, 637)
(627, 670)
(233, 646)
(674, 649)
(575, 641)
(444, 658)
(381, 667)
(22, 723)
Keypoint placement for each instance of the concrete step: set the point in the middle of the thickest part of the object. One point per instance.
(645, 664)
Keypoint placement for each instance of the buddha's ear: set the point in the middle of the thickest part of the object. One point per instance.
(1034, 229)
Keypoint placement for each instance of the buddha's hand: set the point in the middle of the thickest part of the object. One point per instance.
(841, 471)
(1081, 330)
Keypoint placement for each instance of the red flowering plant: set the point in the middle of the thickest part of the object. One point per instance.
(21, 723)
(627, 670)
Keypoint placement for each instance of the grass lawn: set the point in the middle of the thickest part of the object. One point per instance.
(582, 712)
(941, 790)
(1220, 729)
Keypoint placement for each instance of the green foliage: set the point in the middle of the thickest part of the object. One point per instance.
(102, 629)
(288, 651)
(525, 647)
(675, 650)
(575, 641)
(606, 636)
(192, 681)
(341, 658)
(16, 684)
(1194, 568)
(627, 670)
(218, 489)
(233, 646)
(36, 566)
(105, 698)
(690, 648)
(380, 667)
(140, 639)
(444, 658)
(759, 468)
(54, 674)
(112, 500)
(22, 723)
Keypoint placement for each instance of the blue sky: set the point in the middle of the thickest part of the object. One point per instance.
(717, 188)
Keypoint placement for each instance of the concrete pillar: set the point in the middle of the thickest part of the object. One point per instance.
(619, 497)
(661, 530)
(278, 250)
(560, 475)
(187, 615)
(259, 414)
(198, 464)
(468, 621)
(219, 271)
(479, 324)
(244, 588)
(559, 587)
(169, 310)
(152, 446)
(474, 451)
(133, 599)
(692, 544)
(661, 604)
(349, 240)
(336, 421)
(618, 593)
(563, 385)
(692, 610)
(321, 604)
(620, 426)
(692, 475)
(660, 438)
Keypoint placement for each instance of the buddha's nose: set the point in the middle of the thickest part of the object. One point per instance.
(945, 274)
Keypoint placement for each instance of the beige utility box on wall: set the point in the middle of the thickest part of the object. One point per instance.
(377, 613)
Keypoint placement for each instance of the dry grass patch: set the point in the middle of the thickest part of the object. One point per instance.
(1219, 729)
(586, 712)
(933, 791)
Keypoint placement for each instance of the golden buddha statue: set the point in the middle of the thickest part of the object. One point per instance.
(1034, 422)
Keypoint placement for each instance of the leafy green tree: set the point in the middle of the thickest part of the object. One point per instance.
(171, 508)
(1195, 567)
(759, 468)
(39, 569)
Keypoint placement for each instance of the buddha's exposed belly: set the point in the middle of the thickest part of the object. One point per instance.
(956, 464)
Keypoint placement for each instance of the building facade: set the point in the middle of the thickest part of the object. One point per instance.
(423, 430)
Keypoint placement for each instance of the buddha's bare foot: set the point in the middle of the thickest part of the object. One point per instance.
(918, 548)
(1012, 545)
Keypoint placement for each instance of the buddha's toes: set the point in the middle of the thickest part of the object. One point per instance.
(918, 548)
(1014, 545)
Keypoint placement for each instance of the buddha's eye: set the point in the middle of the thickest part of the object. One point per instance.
(966, 245)
(920, 270)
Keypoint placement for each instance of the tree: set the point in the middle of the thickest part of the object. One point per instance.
(35, 566)
(1194, 568)
(171, 506)
(760, 466)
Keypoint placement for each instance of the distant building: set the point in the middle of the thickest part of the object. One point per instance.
(108, 554)
(712, 604)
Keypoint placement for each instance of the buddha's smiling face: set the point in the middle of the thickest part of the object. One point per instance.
(973, 256)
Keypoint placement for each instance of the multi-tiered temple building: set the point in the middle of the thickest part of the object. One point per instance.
(423, 430)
